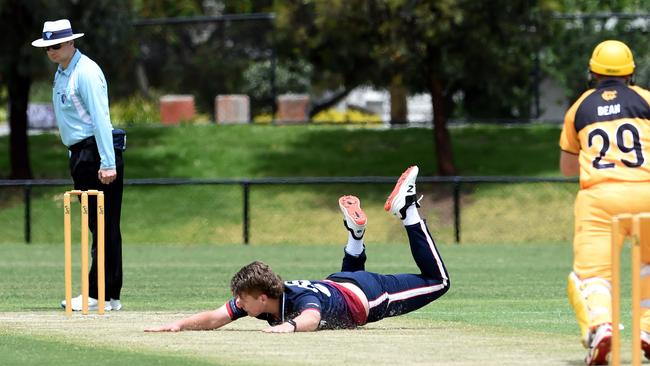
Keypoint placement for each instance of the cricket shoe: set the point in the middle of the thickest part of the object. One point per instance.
(115, 304)
(404, 194)
(92, 304)
(645, 344)
(600, 343)
(355, 219)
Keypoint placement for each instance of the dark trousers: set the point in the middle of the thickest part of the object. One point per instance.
(392, 295)
(84, 167)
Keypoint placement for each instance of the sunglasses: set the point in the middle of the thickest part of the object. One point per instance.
(54, 47)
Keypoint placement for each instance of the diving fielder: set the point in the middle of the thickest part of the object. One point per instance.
(346, 299)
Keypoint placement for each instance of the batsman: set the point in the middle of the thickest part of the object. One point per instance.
(606, 141)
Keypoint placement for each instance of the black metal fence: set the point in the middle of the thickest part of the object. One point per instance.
(461, 189)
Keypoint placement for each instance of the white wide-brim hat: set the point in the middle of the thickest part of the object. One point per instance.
(55, 32)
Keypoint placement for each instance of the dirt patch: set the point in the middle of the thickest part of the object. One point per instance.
(397, 341)
(11, 196)
(440, 202)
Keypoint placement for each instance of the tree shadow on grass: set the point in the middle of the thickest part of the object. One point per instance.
(482, 150)
(335, 152)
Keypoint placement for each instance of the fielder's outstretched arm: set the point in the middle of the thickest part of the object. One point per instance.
(206, 320)
(307, 321)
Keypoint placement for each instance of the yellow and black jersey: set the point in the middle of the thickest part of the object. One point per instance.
(609, 128)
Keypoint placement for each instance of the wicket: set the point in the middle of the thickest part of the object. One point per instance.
(638, 228)
(84, 250)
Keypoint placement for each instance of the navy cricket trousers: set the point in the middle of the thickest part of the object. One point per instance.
(397, 294)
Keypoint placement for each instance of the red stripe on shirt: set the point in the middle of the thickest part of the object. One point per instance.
(230, 313)
(357, 310)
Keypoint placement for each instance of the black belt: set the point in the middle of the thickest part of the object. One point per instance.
(119, 141)
(87, 142)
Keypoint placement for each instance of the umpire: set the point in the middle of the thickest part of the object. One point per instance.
(80, 98)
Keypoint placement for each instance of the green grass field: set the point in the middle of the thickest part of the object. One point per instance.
(213, 214)
(507, 304)
(209, 151)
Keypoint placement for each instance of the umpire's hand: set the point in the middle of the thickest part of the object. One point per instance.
(107, 176)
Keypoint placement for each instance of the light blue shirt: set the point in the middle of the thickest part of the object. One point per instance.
(80, 98)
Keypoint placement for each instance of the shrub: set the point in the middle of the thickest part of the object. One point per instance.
(135, 110)
(348, 116)
(331, 116)
(263, 118)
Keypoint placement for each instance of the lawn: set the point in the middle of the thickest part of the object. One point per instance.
(228, 151)
(507, 304)
(506, 301)
(213, 214)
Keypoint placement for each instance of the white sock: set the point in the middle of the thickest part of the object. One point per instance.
(354, 246)
(412, 216)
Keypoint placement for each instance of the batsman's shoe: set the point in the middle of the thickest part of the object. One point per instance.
(600, 343)
(92, 304)
(355, 219)
(404, 193)
(645, 344)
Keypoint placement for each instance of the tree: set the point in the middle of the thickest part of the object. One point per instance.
(107, 24)
(220, 50)
(473, 57)
(580, 26)
(17, 23)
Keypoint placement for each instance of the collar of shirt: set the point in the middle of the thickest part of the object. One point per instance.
(282, 308)
(71, 65)
(607, 83)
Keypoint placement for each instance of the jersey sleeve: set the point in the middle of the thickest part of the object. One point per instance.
(569, 141)
(644, 93)
(94, 92)
(233, 311)
(307, 302)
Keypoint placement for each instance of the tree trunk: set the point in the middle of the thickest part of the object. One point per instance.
(18, 86)
(17, 28)
(142, 80)
(398, 106)
(441, 138)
